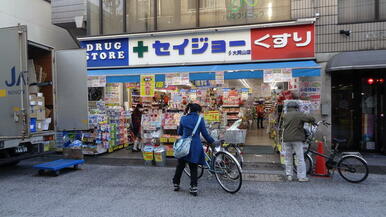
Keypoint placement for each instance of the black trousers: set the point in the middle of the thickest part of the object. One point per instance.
(260, 122)
(180, 169)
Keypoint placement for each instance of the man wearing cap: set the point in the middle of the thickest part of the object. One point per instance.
(293, 139)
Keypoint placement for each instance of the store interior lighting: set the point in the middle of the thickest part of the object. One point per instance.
(245, 83)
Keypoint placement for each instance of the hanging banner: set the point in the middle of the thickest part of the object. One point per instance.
(147, 85)
(219, 78)
(96, 81)
(177, 79)
(293, 84)
(286, 75)
(132, 85)
(277, 75)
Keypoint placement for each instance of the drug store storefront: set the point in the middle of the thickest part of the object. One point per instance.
(164, 71)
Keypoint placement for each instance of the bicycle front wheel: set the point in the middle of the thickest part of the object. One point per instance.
(228, 172)
(235, 151)
(200, 170)
(353, 169)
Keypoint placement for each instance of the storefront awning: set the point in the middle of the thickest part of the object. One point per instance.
(357, 60)
(207, 72)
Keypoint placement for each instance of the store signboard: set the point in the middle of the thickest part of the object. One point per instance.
(283, 42)
(147, 85)
(288, 42)
(194, 48)
(107, 53)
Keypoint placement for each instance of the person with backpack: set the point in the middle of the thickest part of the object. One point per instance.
(196, 154)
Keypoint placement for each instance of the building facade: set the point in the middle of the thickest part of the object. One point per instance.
(39, 26)
(350, 46)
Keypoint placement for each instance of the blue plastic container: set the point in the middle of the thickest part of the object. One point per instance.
(32, 125)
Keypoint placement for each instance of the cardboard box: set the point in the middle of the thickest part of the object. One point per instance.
(73, 153)
(41, 114)
(33, 100)
(40, 101)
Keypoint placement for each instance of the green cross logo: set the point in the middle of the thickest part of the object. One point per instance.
(140, 49)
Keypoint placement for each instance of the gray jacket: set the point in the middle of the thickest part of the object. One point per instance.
(293, 125)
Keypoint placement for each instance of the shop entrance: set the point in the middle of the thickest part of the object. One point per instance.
(358, 109)
(372, 112)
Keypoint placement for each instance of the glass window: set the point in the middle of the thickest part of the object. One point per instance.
(140, 15)
(176, 14)
(233, 12)
(356, 11)
(93, 24)
(382, 9)
(112, 16)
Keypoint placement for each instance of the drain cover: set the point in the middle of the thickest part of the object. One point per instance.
(262, 177)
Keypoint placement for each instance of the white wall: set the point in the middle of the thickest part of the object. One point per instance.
(36, 14)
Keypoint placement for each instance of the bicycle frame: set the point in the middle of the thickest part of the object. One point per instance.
(210, 162)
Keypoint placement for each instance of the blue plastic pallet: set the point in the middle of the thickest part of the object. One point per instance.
(57, 165)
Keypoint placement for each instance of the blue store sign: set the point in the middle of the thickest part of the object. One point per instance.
(107, 53)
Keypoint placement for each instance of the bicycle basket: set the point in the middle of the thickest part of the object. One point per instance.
(235, 136)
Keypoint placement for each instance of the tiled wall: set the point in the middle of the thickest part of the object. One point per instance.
(364, 36)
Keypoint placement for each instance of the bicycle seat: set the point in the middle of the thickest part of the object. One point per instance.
(336, 140)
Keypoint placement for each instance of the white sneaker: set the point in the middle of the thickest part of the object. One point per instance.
(304, 180)
(289, 178)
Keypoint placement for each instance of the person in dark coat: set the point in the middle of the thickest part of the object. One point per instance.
(196, 154)
(136, 119)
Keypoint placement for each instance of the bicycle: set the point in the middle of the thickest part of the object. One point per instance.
(351, 167)
(224, 166)
(235, 150)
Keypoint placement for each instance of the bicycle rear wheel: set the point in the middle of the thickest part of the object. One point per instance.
(200, 170)
(353, 169)
(228, 172)
(308, 162)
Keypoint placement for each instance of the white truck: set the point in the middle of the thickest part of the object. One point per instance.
(42, 92)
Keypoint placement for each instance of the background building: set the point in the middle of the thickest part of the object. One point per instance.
(36, 14)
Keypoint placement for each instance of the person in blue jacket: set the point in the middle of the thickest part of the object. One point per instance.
(196, 154)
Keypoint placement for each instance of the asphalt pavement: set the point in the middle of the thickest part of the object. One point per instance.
(118, 191)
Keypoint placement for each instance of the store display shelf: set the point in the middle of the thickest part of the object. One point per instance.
(117, 147)
(230, 106)
(233, 119)
(233, 112)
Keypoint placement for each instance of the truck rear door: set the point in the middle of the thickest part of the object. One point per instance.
(71, 91)
(13, 82)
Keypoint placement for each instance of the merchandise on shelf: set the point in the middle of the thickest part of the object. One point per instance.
(171, 120)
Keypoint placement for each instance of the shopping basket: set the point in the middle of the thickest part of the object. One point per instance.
(235, 136)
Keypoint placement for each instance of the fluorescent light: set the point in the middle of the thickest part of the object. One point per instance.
(269, 13)
(245, 83)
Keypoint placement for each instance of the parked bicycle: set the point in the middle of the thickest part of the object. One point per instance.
(351, 167)
(224, 166)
